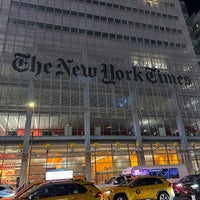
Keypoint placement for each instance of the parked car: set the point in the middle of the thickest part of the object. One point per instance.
(62, 189)
(178, 186)
(141, 187)
(113, 181)
(6, 191)
(191, 189)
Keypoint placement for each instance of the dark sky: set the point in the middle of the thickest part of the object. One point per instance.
(192, 6)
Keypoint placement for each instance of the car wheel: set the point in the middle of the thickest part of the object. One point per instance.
(120, 197)
(163, 196)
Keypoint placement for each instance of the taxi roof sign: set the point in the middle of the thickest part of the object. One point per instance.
(58, 175)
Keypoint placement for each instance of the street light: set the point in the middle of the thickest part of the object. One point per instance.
(25, 151)
(48, 145)
(31, 104)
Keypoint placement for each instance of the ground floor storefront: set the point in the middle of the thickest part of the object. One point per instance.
(107, 159)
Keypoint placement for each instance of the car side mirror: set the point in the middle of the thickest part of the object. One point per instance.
(132, 185)
(32, 196)
(116, 182)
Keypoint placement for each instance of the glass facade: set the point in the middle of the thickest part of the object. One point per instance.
(121, 75)
(106, 159)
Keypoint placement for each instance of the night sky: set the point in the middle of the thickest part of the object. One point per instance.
(193, 6)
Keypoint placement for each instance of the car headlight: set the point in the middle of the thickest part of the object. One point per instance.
(179, 185)
(108, 192)
(195, 186)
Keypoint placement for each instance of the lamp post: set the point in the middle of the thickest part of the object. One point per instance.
(94, 149)
(25, 150)
(48, 145)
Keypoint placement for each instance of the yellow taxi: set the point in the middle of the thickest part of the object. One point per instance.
(60, 190)
(141, 187)
(24, 189)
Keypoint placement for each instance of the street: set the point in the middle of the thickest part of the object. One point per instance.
(186, 198)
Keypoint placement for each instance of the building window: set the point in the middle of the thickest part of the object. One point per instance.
(159, 14)
(150, 26)
(89, 32)
(162, 28)
(31, 23)
(153, 42)
(117, 21)
(174, 30)
(65, 28)
(49, 26)
(96, 17)
(95, 2)
(112, 36)
(20, 21)
(166, 44)
(147, 12)
(102, 3)
(39, 24)
(119, 37)
(50, 9)
(144, 25)
(135, 10)
(146, 41)
(56, 27)
(89, 16)
(82, 31)
(67, 12)
(140, 40)
(74, 13)
(124, 22)
(133, 39)
(115, 6)
(58, 10)
(105, 35)
(110, 19)
(141, 11)
(179, 31)
(74, 30)
(122, 7)
(41, 7)
(137, 24)
(97, 33)
(109, 5)
(81, 14)
(172, 44)
(126, 37)
(159, 43)
(103, 18)
(130, 23)
(156, 27)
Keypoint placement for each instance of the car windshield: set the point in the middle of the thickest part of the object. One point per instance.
(109, 181)
(29, 191)
(189, 179)
(126, 182)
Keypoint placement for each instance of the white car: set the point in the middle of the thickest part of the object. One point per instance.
(6, 191)
(113, 181)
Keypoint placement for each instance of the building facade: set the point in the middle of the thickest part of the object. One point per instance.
(114, 84)
(194, 22)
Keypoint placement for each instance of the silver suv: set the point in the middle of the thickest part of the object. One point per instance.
(114, 181)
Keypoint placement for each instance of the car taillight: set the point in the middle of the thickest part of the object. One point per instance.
(99, 194)
(170, 184)
(178, 186)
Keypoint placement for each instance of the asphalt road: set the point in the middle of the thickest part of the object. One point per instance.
(186, 198)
